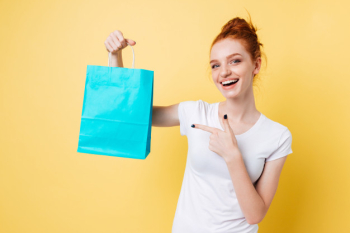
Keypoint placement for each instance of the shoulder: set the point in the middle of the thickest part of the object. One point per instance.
(188, 104)
(193, 110)
(186, 111)
(192, 105)
(279, 139)
(275, 128)
(275, 133)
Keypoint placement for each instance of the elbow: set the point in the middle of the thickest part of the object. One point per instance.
(253, 221)
(258, 216)
(256, 219)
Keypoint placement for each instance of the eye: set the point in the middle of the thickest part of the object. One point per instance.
(237, 60)
(231, 61)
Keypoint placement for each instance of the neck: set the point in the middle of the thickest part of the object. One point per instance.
(242, 108)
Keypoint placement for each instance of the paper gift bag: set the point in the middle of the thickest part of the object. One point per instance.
(117, 109)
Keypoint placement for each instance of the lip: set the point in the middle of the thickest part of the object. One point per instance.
(229, 80)
(229, 87)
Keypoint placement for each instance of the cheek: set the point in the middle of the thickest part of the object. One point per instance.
(215, 77)
(240, 71)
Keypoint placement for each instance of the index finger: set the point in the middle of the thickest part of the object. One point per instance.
(204, 127)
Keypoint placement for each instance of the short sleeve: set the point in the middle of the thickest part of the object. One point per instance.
(284, 146)
(184, 112)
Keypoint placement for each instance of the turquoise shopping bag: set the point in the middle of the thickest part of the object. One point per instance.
(117, 109)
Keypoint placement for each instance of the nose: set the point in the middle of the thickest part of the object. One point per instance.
(225, 71)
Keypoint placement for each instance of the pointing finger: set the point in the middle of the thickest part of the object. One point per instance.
(204, 127)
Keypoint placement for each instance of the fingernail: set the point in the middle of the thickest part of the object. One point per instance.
(225, 116)
(192, 125)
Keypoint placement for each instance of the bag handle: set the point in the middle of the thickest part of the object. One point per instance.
(133, 56)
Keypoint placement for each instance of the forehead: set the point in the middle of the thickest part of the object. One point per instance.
(226, 47)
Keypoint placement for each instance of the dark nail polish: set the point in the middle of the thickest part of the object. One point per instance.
(225, 116)
(192, 125)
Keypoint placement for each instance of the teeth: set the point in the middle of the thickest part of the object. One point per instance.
(230, 81)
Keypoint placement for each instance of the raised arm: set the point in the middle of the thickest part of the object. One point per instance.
(165, 116)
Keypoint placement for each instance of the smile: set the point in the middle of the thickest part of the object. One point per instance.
(229, 84)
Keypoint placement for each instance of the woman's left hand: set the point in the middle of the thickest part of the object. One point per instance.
(223, 143)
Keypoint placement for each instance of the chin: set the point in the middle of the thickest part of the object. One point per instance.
(231, 93)
(231, 96)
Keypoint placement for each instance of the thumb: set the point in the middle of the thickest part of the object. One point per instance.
(226, 124)
(130, 42)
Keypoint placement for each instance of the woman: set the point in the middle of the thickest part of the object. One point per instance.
(235, 153)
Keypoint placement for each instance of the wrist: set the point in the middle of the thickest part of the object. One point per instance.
(116, 59)
(116, 54)
(233, 155)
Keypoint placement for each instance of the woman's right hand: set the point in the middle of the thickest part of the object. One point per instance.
(115, 42)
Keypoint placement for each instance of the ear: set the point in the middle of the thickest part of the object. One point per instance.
(257, 66)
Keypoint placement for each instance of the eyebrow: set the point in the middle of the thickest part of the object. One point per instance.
(231, 55)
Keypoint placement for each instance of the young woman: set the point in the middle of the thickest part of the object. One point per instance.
(235, 153)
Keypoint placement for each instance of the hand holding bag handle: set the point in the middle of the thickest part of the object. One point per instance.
(133, 56)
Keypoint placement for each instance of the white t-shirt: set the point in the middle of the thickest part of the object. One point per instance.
(207, 201)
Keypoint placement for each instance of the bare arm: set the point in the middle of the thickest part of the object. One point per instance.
(165, 116)
(255, 201)
(116, 60)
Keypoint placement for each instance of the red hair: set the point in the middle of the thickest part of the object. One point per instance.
(240, 29)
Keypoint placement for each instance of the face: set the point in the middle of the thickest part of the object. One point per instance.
(229, 60)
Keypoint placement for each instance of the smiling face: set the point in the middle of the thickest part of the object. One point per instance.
(229, 60)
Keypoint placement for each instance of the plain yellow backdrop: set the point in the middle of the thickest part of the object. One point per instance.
(46, 186)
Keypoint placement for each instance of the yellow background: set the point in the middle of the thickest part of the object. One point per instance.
(46, 186)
